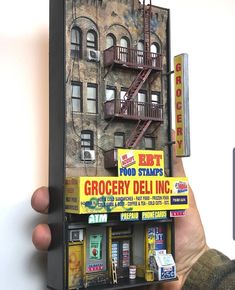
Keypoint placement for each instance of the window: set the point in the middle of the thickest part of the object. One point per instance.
(149, 143)
(76, 42)
(140, 53)
(125, 44)
(110, 93)
(92, 98)
(119, 140)
(87, 140)
(141, 103)
(123, 93)
(76, 97)
(91, 39)
(110, 40)
(155, 48)
(123, 98)
(155, 98)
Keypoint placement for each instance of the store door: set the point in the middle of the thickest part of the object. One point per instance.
(121, 254)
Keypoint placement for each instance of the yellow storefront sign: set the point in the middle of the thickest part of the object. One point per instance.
(87, 195)
(140, 162)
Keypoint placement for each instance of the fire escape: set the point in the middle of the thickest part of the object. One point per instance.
(133, 91)
(128, 106)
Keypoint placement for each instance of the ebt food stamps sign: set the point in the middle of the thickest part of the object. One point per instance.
(134, 190)
(140, 163)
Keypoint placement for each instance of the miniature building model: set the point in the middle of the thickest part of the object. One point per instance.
(116, 94)
(119, 197)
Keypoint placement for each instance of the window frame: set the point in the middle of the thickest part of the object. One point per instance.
(141, 106)
(158, 93)
(124, 50)
(111, 35)
(79, 84)
(153, 143)
(113, 88)
(92, 44)
(118, 134)
(91, 140)
(158, 47)
(78, 45)
(92, 85)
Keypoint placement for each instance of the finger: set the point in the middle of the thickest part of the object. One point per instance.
(177, 161)
(41, 237)
(40, 200)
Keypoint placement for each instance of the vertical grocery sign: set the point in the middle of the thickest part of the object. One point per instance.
(182, 131)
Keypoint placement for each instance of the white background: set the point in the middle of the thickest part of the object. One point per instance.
(203, 29)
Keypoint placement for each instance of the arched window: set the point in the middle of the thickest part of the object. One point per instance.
(125, 44)
(140, 53)
(110, 40)
(76, 42)
(155, 48)
(91, 39)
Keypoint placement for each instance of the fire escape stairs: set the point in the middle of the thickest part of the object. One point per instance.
(134, 89)
(142, 125)
(136, 85)
(138, 133)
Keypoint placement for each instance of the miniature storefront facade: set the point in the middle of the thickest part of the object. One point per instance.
(125, 220)
(120, 198)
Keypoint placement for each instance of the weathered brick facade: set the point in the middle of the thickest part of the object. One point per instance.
(121, 20)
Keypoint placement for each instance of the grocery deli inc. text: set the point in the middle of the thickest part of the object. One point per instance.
(115, 194)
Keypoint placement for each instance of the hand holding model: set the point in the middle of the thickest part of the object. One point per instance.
(190, 240)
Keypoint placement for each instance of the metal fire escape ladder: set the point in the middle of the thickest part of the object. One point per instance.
(138, 133)
(138, 82)
(147, 10)
(134, 89)
(142, 125)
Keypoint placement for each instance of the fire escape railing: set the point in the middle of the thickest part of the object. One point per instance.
(132, 58)
(145, 60)
(134, 110)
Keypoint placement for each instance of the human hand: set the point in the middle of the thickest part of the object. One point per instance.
(41, 236)
(190, 241)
